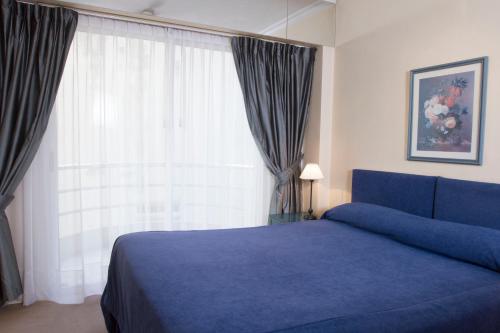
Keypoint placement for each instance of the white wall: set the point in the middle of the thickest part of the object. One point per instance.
(377, 43)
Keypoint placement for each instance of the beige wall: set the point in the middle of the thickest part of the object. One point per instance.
(318, 142)
(378, 43)
(319, 27)
(316, 26)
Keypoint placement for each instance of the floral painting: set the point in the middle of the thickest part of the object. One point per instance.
(446, 112)
(445, 119)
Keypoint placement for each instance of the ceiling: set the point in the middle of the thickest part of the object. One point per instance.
(244, 15)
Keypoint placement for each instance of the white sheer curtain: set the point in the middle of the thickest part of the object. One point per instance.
(149, 132)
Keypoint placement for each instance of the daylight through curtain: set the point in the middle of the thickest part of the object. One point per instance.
(149, 132)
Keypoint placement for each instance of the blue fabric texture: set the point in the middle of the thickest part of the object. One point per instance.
(321, 276)
(410, 193)
(468, 202)
(473, 244)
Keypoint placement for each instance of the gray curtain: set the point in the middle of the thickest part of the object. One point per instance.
(276, 80)
(34, 44)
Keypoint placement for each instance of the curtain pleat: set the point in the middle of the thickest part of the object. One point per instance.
(34, 43)
(276, 80)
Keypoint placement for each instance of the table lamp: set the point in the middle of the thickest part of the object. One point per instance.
(311, 172)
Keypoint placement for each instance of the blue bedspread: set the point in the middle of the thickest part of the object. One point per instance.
(321, 276)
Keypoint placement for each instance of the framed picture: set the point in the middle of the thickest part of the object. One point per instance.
(447, 111)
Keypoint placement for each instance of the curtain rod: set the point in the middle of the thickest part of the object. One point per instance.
(160, 21)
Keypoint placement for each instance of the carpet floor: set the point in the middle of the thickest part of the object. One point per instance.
(48, 317)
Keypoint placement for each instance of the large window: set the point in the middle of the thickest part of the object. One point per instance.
(149, 132)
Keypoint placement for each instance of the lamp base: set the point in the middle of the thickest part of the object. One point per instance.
(309, 217)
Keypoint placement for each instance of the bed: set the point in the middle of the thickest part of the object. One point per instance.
(409, 254)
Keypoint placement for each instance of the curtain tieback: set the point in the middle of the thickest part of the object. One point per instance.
(5, 200)
(284, 176)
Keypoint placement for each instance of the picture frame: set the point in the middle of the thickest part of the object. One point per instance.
(446, 112)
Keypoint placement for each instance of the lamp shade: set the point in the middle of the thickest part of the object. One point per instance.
(311, 172)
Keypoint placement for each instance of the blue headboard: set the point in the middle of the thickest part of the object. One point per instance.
(467, 202)
(440, 198)
(409, 193)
